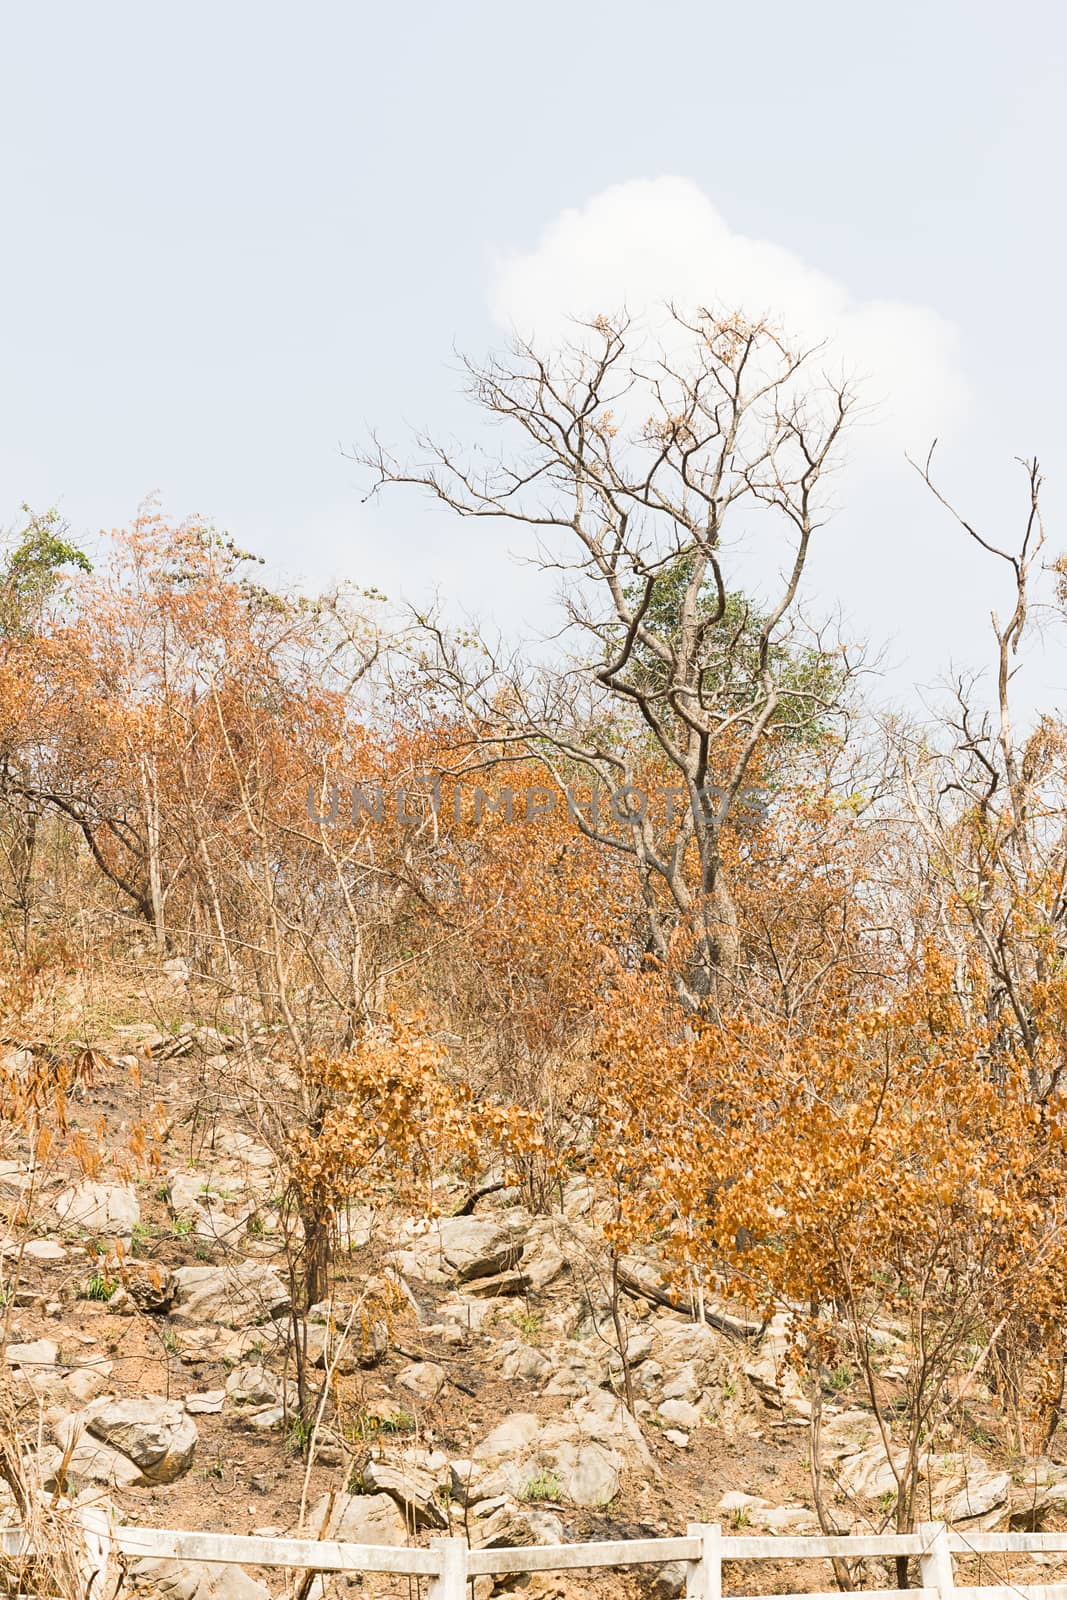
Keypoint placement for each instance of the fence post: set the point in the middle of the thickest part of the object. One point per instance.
(451, 1580)
(704, 1576)
(935, 1563)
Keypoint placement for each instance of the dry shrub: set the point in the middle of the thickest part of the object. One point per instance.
(65, 1543)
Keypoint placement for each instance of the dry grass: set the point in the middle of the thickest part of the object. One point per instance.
(66, 1543)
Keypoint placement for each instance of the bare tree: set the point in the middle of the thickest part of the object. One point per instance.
(990, 809)
(642, 474)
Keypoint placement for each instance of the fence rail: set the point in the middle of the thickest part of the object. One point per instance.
(451, 1563)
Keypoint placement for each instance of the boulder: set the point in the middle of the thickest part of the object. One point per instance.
(498, 1285)
(1041, 1486)
(155, 1435)
(45, 1250)
(466, 1248)
(238, 1295)
(968, 1487)
(88, 1462)
(524, 1362)
(543, 1257)
(253, 1386)
(208, 1403)
(110, 1209)
(194, 1580)
(770, 1371)
(680, 1414)
(37, 1353)
(868, 1474)
(509, 1438)
(702, 1369)
(508, 1527)
(583, 1453)
(669, 1581)
(365, 1345)
(413, 1488)
(362, 1519)
(88, 1382)
(588, 1472)
(423, 1379)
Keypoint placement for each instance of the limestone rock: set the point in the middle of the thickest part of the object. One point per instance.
(588, 1472)
(868, 1474)
(110, 1209)
(499, 1285)
(238, 1295)
(508, 1438)
(465, 1248)
(413, 1489)
(967, 1487)
(424, 1379)
(89, 1462)
(543, 1257)
(37, 1353)
(194, 1580)
(364, 1345)
(150, 1285)
(88, 1382)
(524, 1362)
(680, 1413)
(155, 1434)
(507, 1526)
(363, 1519)
(208, 1403)
(253, 1386)
(45, 1250)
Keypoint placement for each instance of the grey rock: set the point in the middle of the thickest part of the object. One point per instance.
(467, 1248)
(363, 1519)
(423, 1379)
(511, 1436)
(155, 1434)
(238, 1295)
(253, 1385)
(524, 1362)
(150, 1285)
(37, 1353)
(110, 1209)
(89, 1462)
(413, 1489)
(508, 1526)
(45, 1250)
(266, 1420)
(588, 1473)
(680, 1413)
(669, 1582)
(194, 1580)
(208, 1403)
(364, 1345)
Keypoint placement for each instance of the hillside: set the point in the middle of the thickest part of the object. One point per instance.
(150, 1355)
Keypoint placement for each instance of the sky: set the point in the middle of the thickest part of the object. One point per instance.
(238, 236)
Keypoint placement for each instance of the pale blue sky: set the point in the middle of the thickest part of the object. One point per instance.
(237, 234)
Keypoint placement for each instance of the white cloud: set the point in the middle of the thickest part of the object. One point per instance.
(639, 244)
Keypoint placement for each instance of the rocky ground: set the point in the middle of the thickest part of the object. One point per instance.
(150, 1355)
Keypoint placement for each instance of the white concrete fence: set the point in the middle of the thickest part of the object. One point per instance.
(449, 1564)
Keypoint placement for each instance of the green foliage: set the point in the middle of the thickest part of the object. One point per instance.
(98, 1287)
(528, 1324)
(298, 1437)
(30, 569)
(545, 1486)
(809, 680)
